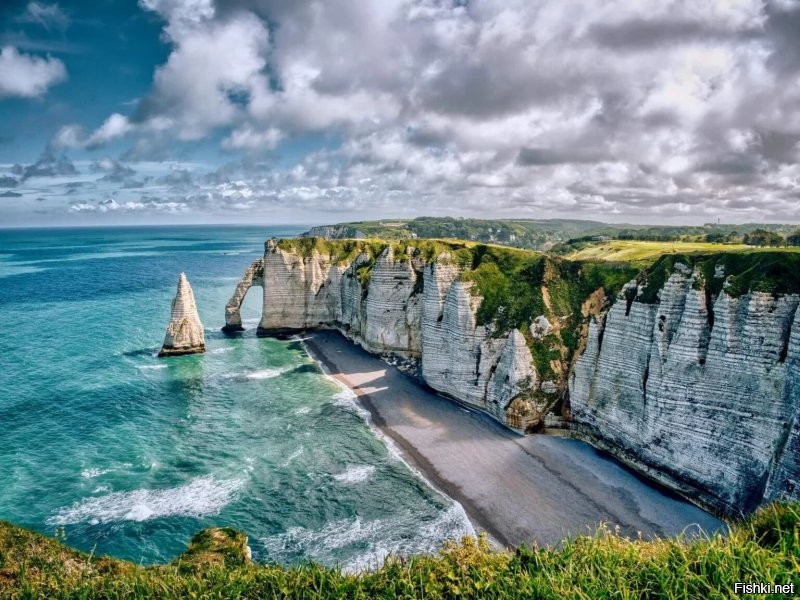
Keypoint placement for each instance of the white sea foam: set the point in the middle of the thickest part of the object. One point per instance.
(303, 410)
(293, 455)
(200, 497)
(347, 398)
(355, 474)
(221, 350)
(92, 473)
(399, 535)
(151, 367)
(267, 373)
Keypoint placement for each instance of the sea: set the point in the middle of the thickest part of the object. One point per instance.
(122, 453)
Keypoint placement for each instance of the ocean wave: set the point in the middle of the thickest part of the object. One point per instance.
(355, 474)
(348, 399)
(200, 497)
(151, 367)
(267, 373)
(221, 350)
(400, 535)
(303, 410)
(94, 472)
(293, 455)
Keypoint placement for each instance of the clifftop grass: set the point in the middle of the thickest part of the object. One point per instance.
(770, 271)
(765, 547)
(644, 253)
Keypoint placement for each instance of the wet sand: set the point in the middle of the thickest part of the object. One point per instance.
(519, 489)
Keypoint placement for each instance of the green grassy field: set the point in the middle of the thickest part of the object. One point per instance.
(643, 252)
(764, 548)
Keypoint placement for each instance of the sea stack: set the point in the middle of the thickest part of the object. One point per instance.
(185, 331)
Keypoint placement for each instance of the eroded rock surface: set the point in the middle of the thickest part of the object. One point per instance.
(701, 396)
(185, 334)
(700, 391)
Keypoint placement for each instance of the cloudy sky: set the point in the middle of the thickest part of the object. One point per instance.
(312, 111)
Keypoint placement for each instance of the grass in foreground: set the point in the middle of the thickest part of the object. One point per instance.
(764, 548)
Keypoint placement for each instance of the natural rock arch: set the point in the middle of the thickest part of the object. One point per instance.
(253, 276)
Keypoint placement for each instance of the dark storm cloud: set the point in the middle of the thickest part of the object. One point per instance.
(779, 146)
(112, 170)
(48, 165)
(639, 33)
(528, 157)
(783, 32)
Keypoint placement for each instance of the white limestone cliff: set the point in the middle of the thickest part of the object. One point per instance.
(700, 393)
(405, 307)
(702, 398)
(185, 334)
(254, 275)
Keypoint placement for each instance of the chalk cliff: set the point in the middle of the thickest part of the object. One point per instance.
(185, 334)
(700, 393)
(691, 378)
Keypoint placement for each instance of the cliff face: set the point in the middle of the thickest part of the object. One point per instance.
(697, 385)
(400, 303)
(185, 334)
(701, 393)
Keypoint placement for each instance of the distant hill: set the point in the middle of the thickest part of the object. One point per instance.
(560, 235)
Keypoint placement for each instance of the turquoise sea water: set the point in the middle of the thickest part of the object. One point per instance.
(130, 455)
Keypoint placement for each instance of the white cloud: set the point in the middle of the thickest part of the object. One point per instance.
(213, 64)
(114, 127)
(249, 139)
(74, 136)
(27, 76)
(69, 136)
(621, 107)
(49, 16)
(181, 11)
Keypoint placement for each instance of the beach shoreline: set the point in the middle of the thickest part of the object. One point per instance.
(408, 452)
(518, 489)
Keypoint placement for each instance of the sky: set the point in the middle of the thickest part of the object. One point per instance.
(309, 111)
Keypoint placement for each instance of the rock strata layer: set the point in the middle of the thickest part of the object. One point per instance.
(697, 390)
(700, 395)
(185, 333)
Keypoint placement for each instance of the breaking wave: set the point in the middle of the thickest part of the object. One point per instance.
(355, 474)
(198, 498)
(372, 540)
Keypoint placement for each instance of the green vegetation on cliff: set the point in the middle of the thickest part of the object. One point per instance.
(645, 253)
(770, 271)
(763, 548)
